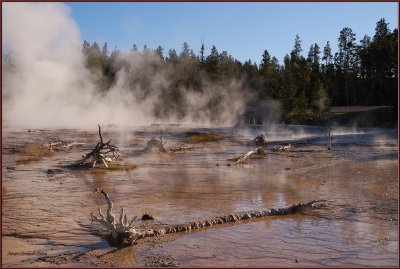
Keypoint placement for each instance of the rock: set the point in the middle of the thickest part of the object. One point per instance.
(147, 217)
(260, 140)
(54, 171)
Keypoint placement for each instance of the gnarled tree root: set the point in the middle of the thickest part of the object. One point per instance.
(129, 235)
(101, 155)
(120, 233)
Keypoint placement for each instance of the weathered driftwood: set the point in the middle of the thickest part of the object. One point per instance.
(101, 154)
(260, 140)
(121, 232)
(155, 143)
(252, 153)
(282, 148)
(59, 145)
(125, 234)
(179, 149)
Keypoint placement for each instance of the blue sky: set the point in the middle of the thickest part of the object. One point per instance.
(245, 30)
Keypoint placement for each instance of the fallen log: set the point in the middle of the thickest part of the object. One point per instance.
(282, 148)
(125, 234)
(59, 145)
(252, 153)
(179, 149)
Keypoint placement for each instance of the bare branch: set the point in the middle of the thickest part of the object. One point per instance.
(101, 138)
(101, 154)
(122, 214)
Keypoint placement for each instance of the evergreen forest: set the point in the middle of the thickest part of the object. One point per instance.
(360, 73)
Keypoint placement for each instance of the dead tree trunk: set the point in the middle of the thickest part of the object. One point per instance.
(329, 130)
(124, 234)
(252, 153)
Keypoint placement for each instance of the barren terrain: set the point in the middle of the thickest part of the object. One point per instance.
(46, 207)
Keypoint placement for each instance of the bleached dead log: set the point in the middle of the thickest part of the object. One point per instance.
(59, 145)
(282, 148)
(101, 154)
(155, 143)
(292, 209)
(126, 234)
(121, 232)
(56, 145)
(252, 153)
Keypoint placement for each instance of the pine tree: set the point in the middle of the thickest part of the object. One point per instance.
(172, 57)
(202, 49)
(212, 64)
(85, 47)
(159, 51)
(134, 48)
(315, 75)
(296, 52)
(328, 76)
(269, 71)
(105, 50)
(327, 57)
(95, 48)
(146, 50)
(383, 53)
(185, 50)
(346, 63)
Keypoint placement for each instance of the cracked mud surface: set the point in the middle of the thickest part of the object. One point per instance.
(46, 215)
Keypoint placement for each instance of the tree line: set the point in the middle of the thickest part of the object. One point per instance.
(360, 73)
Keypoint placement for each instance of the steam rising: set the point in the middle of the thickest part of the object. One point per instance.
(46, 83)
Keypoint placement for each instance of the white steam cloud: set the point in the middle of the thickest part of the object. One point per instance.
(46, 83)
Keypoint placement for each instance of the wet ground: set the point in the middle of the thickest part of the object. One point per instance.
(46, 213)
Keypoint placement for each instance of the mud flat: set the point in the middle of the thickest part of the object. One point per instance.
(46, 208)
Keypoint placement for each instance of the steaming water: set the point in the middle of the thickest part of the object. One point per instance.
(50, 212)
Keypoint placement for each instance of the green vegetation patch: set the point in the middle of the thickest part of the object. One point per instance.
(196, 137)
(33, 152)
(121, 167)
